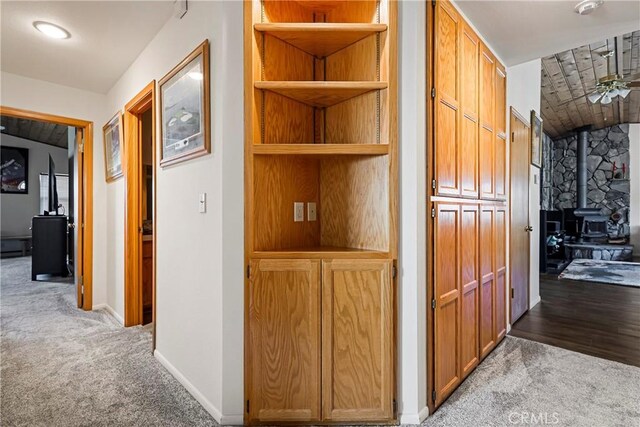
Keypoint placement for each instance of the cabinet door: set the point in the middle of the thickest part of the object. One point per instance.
(447, 103)
(500, 166)
(469, 228)
(487, 280)
(284, 328)
(447, 297)
(357, 340)
(487, 125)
(500, 272)
(469, 47)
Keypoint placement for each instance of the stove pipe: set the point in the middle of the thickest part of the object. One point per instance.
(581, 174)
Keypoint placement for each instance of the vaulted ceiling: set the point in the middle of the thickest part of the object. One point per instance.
(46, 133)
(569, 77)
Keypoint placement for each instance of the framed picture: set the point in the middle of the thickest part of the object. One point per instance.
(113, 137)
(536, 139)
(15, 170)
(184, 109)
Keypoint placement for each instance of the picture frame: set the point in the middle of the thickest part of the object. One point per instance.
(15, 170)
(536, 139)
(185, 109)
(113, 137)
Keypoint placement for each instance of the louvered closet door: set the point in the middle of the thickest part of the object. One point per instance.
(468, 141)
(500, 164)
(487, 280)
(469, 228)
(500, 272)
(487, 126)
(447, 296)
(447, 103)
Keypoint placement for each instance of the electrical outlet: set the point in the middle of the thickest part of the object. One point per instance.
(298, 211)
(311, 211)
(203, 203)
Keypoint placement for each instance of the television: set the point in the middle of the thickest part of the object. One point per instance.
(53, 188)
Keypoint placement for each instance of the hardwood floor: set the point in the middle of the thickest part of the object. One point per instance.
(596, 319)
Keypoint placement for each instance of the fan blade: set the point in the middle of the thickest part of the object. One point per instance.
(631, 77)
(633, 85)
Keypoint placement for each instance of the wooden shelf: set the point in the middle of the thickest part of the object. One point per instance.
(322, 252)
(322, 149)
(321, 5)
(320, 93)
(320, 39)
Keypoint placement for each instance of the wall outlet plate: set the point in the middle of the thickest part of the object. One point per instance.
(203, 203)
(298, 211)
(311, 211)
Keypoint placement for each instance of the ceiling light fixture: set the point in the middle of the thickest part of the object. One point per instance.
(587, 6)
(51, 30)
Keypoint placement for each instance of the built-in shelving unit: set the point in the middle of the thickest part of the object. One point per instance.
(320, 95)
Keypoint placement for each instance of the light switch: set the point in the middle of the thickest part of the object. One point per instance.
(311, 211)
(298, 211)
(203, 203)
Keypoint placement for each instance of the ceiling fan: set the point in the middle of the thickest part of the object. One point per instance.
(613, 85)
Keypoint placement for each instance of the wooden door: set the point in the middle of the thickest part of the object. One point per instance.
(487, 280)
(500, 160)
(500, 272)
(487, 125)
(469, 228)
(284, 331)
(470, 48)
(78, 225)
(446, 235)
(519, 206)
(447, 153)
(357, 340)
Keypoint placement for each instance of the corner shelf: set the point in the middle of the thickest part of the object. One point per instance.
(320, 94)
(320, 39)
(322, 252)
(321, 149)
(321, 5)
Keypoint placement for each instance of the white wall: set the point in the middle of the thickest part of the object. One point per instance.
(200, 257)
(18, 209)
(412, 289)
(634, 169)
(523, 94)
(44, 97)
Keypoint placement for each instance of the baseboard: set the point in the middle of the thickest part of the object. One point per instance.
(109, 310)
(206, 404)
(414, 419)
(534, 302)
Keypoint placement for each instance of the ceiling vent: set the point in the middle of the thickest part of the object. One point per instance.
(587, 6)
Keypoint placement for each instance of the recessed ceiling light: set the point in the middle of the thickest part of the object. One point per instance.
(585, 7)
(51, 30)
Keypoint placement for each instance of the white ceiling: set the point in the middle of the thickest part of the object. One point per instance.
(522, 30)
(106, 37)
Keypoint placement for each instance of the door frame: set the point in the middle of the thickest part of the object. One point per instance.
(84, 281)
(132, 159)
(513, 116)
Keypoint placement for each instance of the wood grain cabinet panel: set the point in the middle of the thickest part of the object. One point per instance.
(500, 165)
(446, 236)
(487, 125)
(284, 325)
(500, 272)
(487, 280)
(469, 227)
(357, 349)
(469, 112)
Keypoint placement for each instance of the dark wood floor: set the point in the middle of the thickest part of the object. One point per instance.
(596, 319)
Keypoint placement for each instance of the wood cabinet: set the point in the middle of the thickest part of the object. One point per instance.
(357, 340)
(467, 199)
(284, 325)
(320, 130)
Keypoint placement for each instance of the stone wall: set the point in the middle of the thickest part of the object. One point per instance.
(604, 190)
(546, 186)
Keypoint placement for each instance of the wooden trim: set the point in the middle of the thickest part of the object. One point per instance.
(132, 161)
(202, 49)
(519, 116)
(119, 117)
(85, 196)
(430, 175)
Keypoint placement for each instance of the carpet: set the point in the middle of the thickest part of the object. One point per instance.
(610, 272)
(61, 366)
(528, 383)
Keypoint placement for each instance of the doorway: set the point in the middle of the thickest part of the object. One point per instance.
(140, 177)
(79, 225)
(519, 208)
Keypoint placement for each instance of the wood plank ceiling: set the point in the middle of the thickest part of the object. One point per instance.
(569, 77)
(46, 133)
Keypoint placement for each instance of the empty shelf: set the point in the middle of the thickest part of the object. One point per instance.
(320, 93)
